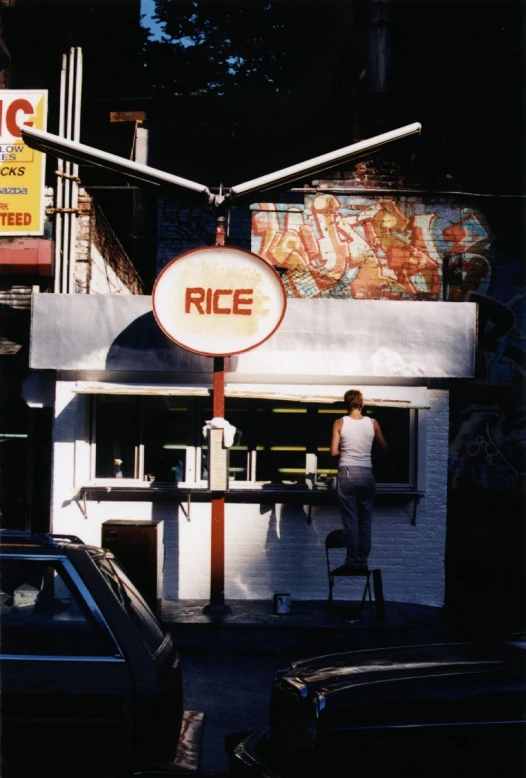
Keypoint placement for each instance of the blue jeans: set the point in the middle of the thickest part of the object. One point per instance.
(356, 490)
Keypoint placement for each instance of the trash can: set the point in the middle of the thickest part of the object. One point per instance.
(137, 545)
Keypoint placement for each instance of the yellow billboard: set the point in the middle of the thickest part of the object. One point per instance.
(22, 169)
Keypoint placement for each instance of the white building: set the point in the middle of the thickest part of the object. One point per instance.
(122, 391)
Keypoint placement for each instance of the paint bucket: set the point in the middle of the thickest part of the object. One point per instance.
(281, 603)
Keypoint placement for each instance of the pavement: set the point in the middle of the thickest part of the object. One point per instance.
(231, 653)
(252, 627)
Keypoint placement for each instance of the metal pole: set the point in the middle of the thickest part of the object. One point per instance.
(77, 92)
(66, 258)
(217, 551)
(60, 184)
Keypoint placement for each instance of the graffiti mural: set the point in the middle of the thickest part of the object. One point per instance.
(488, 449)
(181, 228)
(373, 248)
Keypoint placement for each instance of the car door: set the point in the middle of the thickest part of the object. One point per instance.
(66, 686)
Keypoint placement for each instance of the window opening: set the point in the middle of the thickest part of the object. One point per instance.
(278, 442)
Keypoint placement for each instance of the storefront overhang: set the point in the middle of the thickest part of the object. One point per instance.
(319, 341)
(387, 396)
(26, 256)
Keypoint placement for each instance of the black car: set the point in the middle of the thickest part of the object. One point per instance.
(454, 709)
(91, 681)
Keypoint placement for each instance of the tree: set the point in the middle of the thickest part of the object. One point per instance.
(272, 47)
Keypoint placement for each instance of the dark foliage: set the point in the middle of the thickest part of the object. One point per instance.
(272, 46)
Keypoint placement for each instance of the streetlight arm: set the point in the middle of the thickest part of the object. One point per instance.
(80, 153)
(317, 164)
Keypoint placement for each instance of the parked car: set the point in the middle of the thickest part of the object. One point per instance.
(428, 710)
(90, 679)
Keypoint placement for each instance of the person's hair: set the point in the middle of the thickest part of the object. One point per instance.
(353, 398)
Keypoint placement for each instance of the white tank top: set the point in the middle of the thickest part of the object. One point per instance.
(356, 442)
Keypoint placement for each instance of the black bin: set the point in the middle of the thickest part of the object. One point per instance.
(135, 543)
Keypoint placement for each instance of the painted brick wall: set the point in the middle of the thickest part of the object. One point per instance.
(342, 245)
(267, 549)
(181, 228)
(101, 264)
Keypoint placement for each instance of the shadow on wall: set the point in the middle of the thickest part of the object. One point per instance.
(169, 572)
(143, 346)
(289, 560)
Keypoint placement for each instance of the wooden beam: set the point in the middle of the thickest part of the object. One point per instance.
(127, 116)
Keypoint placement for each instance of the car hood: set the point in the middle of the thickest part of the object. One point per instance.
(382, 671)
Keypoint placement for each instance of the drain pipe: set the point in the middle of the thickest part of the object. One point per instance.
(67, 179)
(57, 287)
(77, 92)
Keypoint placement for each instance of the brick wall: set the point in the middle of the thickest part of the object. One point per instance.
(102, 265)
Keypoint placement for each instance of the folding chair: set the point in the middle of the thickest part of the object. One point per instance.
(334, 542)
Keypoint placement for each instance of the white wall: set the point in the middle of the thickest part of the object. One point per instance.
(267, 549)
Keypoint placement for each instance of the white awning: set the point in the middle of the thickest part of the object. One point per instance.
(387, 396)
(320, 341)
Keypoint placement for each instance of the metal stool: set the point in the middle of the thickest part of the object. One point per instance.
(335, 540)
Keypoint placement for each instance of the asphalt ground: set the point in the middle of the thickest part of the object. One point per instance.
(233, 691)
(230, 660)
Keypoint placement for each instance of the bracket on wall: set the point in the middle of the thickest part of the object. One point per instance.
(83, 506)
(188, 504)
(416, 501)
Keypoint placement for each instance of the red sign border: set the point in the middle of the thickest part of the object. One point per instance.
(219, 248)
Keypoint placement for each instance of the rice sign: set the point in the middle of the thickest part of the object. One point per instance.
(218, 300)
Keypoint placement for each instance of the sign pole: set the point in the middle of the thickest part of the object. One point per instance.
(203, 300)
(217, 552)
(217, 557)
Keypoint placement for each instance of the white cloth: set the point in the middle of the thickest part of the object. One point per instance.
(219, 423)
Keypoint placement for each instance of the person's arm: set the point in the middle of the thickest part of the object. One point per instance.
(379, 436)
(335, 440)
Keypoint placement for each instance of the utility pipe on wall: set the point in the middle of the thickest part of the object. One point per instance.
(60, 185)
(67, 173)
(77, 91)
(67, 179)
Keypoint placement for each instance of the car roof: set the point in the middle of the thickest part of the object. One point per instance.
(13, 541)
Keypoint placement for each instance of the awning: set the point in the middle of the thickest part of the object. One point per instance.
(319, 341)
(26, 256)
(387, 396)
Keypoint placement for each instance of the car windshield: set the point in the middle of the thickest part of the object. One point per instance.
(133, 603)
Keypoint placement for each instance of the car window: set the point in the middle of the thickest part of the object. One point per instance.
(133, 603)
(43, 614)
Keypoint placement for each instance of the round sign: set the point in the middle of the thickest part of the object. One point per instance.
(218, 300)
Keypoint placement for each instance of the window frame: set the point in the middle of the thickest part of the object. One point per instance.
(86, 604)
(193, 478)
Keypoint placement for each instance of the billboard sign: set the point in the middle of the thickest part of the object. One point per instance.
(22, 169)
(218, 300)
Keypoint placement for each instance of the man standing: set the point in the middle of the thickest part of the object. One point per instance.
(352, 441)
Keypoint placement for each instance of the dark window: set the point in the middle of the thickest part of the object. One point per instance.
(118, 422)
(276, 441)
(43, 614)
(168, 427)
